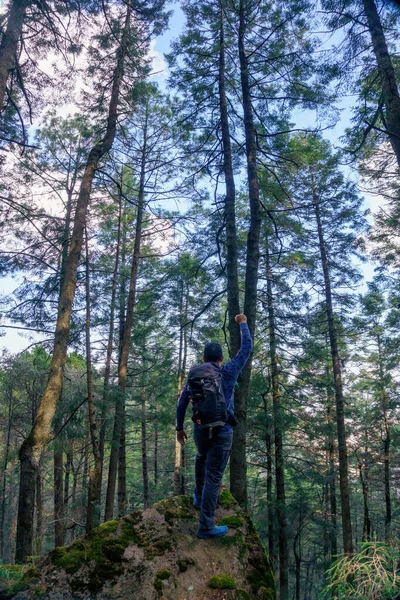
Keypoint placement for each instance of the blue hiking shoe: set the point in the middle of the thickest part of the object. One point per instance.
(196, 501)
(216, 531)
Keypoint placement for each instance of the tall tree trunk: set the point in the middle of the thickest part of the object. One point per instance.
(386, 442)
(179, 484)
(9, 43)
(145, 470)
(58, 495)
(10, 414)
(363, 472)
(270, 501)
(230, 217)
(68, 469)
(107, 369)
(31, 448)
(122, 464)
(332, 483)
(337, 374)
(126, 337)
(39, 508)
(156, 452)
(238, 471)
(278, 439)
(390, 90)
(94, 488)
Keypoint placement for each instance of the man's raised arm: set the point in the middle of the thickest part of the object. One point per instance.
(234, 366)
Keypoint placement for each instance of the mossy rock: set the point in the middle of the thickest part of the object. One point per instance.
(226, 499)
(102, 549)
(232, 521)
(222, 581)
(177, 507)
(149, 554)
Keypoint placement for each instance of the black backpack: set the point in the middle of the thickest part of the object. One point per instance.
(208, 402)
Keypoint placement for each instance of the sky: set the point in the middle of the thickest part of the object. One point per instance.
(16, 341)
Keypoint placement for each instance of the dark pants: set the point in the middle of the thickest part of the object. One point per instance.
(211, 460)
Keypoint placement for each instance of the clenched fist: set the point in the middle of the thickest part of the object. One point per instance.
(241, 319)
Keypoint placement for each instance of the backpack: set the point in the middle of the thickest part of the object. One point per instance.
(208, 402)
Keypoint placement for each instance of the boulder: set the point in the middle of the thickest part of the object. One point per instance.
(155, 555)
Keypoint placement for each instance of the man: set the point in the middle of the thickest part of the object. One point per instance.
(214, 444)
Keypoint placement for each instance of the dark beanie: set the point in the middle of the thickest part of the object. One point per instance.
(212, 352)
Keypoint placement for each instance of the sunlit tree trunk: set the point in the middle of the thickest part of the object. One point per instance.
(31, 448)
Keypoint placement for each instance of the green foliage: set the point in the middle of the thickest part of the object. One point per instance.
(232, 521)
(371, 574)
(222, 581)
(226, 499)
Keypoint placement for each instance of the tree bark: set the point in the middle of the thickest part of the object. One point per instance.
(332, 484)
(341, 430)
(39, 508)
(145, 470)
(156, 452)
(126, 337)
(179, 483)
(270, 502)
(94, 488)
(10, 414)
(121, 494)
(107, 369)
(363, 471)
(238, 470)
(386, 443)
(9, 43)
(230, 216)
(387, 75)
(58, 495)
(278, 439)
(31, 448)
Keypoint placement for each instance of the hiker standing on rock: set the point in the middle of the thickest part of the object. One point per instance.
(210, 388)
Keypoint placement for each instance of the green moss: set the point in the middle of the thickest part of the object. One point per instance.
(40, 591)
(226, 499)
(12, 579)
(108, 527)
(177, 507)
(185, 563)
(242, 594)
(232, 540)
(232, 521)
(163, 574)
(105, 547)
(223, 581)
(259, 575)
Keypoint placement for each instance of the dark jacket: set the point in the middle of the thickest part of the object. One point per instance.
(230, 372)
